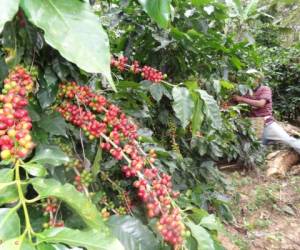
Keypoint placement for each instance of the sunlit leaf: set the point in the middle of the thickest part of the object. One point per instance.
(132, 233)
(8, 193)
(74, 30)
(183, 105)
(76, 200)
(9, 224)
(35, 169)
(16, 244)
(211, 109)
(93, 239)
(51, 155)
(158, 10)
(203, 238)
(8, 9)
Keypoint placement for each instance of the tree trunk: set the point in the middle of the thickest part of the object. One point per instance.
(280, 162)
(290, 129)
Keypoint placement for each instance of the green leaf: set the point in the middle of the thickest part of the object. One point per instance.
(201, 3)
(50, 154)
(48, 88)
(158, 10)
(92, 240)
(197, 118)
(191, 85)
(226, 85)
(132, 233)
(16, 244)
(236, 62)
(9, 224)
(45, 246)
(210, 222)
(74, 30)
(35, 169)
(3, 67)
(156, 91)
(76, 200)
(53, 124)
(250, 9)
(128, 84)
(203, 238)
(183, 105)
(8, 193)
(211, 109)
(8, 10)
(33, 113)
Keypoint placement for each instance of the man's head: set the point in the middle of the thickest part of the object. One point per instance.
(257, 77)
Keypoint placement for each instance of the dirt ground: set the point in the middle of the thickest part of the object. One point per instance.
(266, 211)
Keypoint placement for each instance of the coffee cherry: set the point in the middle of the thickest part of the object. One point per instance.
(5, 154)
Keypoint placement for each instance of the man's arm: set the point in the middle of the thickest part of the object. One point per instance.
(255, 103)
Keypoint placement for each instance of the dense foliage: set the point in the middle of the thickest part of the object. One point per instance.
(121, 110)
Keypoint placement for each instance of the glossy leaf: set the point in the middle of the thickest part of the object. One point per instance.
(48, 246)
(198, 116)
(8, 193)
(53, 124)
(50, 154)
(211, 109)
(9, 224)
(8, 9)
(210, 222)
(158, 10)
(201, 3)
(76, 200)
(48, 88)
(183, 105)
(93, 239)
(16, 244)
(35, 169)
(132, 233)
(204, 240)
(156, 91)
(74, 30)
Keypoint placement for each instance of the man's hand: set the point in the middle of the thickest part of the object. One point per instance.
(237, 98)
(254, 103)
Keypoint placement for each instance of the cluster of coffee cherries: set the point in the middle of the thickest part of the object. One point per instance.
(15, 123)
(98, 118)
(171, 227)
(50, 208)
(147, 72)
(84, 179)
(120, 63)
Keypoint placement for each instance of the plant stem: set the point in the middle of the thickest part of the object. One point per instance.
(28, 228)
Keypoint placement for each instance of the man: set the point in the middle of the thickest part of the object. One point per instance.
(261, 106)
